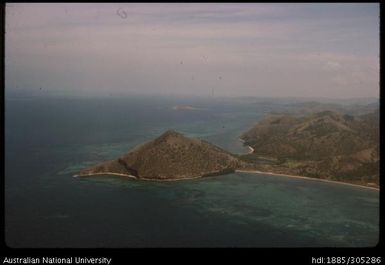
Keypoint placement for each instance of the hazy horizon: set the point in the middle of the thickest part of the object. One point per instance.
(205, 50)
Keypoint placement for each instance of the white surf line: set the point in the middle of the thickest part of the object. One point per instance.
(133, 177)
(106, 173)
(240, 171)
(251, 150)
(295, 176)
(307, 178)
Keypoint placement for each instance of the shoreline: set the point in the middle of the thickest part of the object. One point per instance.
(240, 171)
(235, 171)
(105, 173)
(251, 150)
(133, 177)
(169, 180)
(306, 178)
(302, 177)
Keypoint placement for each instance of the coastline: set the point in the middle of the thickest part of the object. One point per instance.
(235, 171)
(240, 171)
(169, 180)
(133, 177)
(251, 150)
(105, 173)
(302, 177)
(307, 178)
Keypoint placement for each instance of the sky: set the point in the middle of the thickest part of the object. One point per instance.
(248, 49)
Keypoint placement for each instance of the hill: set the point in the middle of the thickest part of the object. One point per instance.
(170, 156)
(325, 144)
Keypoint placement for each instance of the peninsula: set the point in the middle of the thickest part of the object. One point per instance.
(171, 156)
(325, 145)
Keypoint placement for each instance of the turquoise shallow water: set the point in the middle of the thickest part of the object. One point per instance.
(48, 141)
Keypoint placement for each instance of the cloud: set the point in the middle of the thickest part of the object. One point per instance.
(258, 49)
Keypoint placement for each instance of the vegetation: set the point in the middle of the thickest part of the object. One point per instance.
(171, 156)
(325, 144)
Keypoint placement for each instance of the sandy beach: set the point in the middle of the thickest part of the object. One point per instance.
(251, 150)
(240, 171)
(301, 177)
(307, 178)
(106, 173)
(133, 177)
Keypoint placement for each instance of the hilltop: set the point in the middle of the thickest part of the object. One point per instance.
(327, 145)
(170, 156)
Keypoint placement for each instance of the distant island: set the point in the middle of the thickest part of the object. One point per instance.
(183, 107)
(325, 145)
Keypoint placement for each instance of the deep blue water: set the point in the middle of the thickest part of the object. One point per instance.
(47, 141)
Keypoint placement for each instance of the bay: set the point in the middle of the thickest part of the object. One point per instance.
(47, 141)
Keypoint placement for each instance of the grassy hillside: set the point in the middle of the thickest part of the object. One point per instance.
(170, 156)
(325, 144)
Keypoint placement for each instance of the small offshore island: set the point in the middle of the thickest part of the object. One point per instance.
(325, 145)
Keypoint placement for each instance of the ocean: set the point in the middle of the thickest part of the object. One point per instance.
(48, 140)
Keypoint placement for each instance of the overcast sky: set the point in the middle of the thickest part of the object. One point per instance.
(297, 50)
